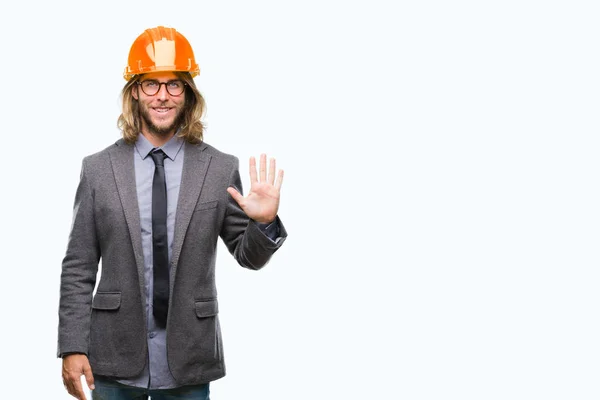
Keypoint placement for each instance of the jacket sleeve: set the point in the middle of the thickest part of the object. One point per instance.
(78, 277)
(249, 245)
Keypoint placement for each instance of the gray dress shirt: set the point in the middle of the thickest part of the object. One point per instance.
(156, 374)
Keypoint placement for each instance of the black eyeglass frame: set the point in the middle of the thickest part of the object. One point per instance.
(140, 84)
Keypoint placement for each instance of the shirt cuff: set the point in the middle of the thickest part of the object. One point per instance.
(270, 230)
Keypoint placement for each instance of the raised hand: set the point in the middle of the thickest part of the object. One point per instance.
(262, 202)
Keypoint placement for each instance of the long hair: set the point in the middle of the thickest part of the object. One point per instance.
(191, 129)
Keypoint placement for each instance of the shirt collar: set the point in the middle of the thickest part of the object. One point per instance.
(171, 148)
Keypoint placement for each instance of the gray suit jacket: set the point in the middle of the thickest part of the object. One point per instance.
(110, 327)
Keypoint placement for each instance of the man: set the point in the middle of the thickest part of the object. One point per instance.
(151, 207)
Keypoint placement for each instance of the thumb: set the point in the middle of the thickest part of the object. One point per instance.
(236, 195)
(89, 376)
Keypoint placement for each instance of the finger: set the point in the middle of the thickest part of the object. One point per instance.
(279, 180)
(77, 390)
(252, 170)
(263, 168)
(69, 387)
(70, 383)
(236, 195)
(272, 171)
(89, 377)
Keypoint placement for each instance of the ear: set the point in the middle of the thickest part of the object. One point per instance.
(134, 91)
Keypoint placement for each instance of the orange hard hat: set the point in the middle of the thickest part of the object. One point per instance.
(160, 49)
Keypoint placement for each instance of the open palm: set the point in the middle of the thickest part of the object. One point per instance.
(262, 202)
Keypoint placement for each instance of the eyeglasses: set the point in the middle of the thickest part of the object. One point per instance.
(150, 87)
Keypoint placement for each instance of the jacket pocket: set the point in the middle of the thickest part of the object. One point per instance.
(207, 308)
(207, 205)
(107, 301)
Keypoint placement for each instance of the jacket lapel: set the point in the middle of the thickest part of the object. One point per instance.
(121, 157)
(195, 166)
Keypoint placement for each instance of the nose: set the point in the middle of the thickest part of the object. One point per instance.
(162, 91)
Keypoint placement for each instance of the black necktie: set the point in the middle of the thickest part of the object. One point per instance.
(159, 240)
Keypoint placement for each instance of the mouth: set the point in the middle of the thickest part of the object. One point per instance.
(162, 110)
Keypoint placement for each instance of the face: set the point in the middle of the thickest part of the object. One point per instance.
(161, 113)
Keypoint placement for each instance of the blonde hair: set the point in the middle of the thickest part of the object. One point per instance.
(191, 129)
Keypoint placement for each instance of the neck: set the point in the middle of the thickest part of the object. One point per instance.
(158, 140)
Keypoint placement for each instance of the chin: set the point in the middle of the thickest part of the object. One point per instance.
(164, 126)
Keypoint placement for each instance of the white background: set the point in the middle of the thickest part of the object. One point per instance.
(441, 190)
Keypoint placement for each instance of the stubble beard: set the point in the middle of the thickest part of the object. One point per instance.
(161, 131)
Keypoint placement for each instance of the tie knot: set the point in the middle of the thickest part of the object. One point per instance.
(158, 156)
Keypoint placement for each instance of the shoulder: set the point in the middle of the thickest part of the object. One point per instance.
(101, 157)
(214, 152)
(217, 156)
